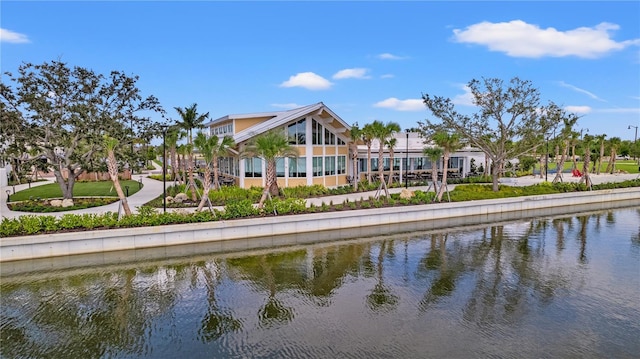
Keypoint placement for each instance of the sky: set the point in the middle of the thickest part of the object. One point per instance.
(366, 60)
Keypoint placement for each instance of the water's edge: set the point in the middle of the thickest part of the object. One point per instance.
(294, 232)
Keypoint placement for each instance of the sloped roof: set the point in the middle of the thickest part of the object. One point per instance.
(277, 118)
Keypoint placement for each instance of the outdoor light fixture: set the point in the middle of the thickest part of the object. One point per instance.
(8, 195)
(126, 188)
(406, 167)
(635, 140)
(164, 168)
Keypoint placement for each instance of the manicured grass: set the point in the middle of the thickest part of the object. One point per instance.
(80, 189)
(629, 166)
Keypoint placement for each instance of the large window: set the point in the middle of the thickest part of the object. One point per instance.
(298, 167)
(341, 142)
(329, 137)
(330, 165)
(297, 132)
(316, 133)
(280, 166)
(221, 130)
(253, 167)
(317, 166)
(342, 165)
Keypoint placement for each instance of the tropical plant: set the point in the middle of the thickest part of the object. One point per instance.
(565, 138)
(434, 154)
(206, 146)
(614, 144)
(270, 146)
(190, 120)
(355, 135)
(602, 141)
(110, 144)
(381, 132)
(391, 143)
(367, 138)
(450, 142)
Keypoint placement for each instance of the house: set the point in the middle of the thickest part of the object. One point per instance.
(320, 136)
(322, 140)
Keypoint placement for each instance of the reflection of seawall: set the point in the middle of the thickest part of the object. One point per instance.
(34, 253)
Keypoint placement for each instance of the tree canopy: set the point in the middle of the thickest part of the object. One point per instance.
(63, 112)
(509, 121)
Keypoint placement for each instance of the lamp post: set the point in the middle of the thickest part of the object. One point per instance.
(546, 163)
(406, 166)
(164, 168)
(635, 140)
(8, 195)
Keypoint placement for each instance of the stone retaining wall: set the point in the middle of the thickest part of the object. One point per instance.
(253, 232)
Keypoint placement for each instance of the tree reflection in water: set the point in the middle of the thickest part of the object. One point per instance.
(500, 275)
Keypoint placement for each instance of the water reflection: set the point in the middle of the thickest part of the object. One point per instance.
(549, 287)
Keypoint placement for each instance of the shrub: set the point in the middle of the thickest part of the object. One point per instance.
(285, 206)
(239, 209)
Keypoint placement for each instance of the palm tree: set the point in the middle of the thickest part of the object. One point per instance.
(434, 154)
(587, 141)
(382, 132)
(601, 139)
(449, 143)
(172, 137)
(191, 120)
(614, 143)
(565, 136)
(355, 134)
(367, 138)
(391, 144)
(210, 148)
(269, 147)
(110, 144)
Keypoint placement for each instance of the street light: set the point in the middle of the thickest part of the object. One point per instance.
(635, 140)
(164, 168)
(406, 166)
(8, 195)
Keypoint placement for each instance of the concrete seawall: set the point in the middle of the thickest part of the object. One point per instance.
(268, 231)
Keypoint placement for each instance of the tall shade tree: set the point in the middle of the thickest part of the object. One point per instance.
(355, 135)
(270, 146)
(614, 144)
(449, 142)
(190, 119)
(508, 123)
(110, 145)
(434, 154)
(211, 148)
(62, 113)
(368, 137)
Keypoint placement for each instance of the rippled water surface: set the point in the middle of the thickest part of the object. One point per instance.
(565, 287)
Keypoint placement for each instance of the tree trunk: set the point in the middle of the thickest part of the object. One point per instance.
(192, 184)
(495, 172)
(112, 166)
(174, 166)
(391, 154)
(445, 167)
(573, 156)
(206, 187)
(585, 168)
(216, 183)
(563, 158)
(600, 158)
(271, 182)
(614, 154)
(354, 158)
(369, 163)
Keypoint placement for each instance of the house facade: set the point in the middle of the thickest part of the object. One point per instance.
(322, 140)
(319, 135)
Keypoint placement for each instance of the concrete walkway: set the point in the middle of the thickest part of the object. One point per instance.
(153, 188)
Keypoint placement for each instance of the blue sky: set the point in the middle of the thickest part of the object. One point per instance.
(365, 60)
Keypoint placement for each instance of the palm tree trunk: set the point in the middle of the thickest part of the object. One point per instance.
(390, 167)
(369, 163)
(271, 181)
(563, 158)
(206, 187)
(192, 184)
(112, 165)
(445, 167)
(600, 158)
(216, 184)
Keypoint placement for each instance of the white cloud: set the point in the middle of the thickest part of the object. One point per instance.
(286, 105)
(401, 105)
(357, 73)
(465, 99)
(387, 76)
(579, 110)
(13, 37)
(388, 56)
(577, 89)
(308, 80)
(519, 39)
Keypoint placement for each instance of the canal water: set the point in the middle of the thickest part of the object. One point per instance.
(557, 287)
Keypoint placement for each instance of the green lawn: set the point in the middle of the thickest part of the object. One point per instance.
(80, 189)
(629, 166)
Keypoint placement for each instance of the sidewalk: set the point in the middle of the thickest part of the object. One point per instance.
(153, 188)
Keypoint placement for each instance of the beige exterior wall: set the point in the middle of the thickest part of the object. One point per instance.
(343, 150)
(317, 151)
(243, 124)
(293, 182)
(250, 182)
(302, 151)
(330, 150)
(330, 181)
(342, 180)
(318, 180)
